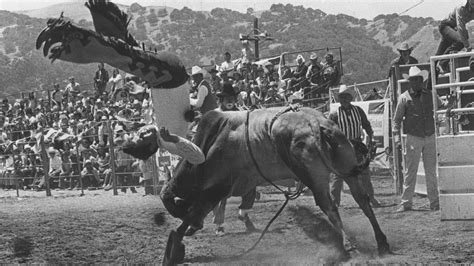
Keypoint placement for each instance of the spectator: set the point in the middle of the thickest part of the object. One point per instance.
(116, 82)
(90, 176)
(352, 120)
(201, 97)
(331, 71)
(72, 90)
(314, 70)
(100, 80)
(227, 65)
(227, 98)
(405, 57)
(123, 161)
(415, 109)
(254, 97)
(298, 75)
(54, 166)
(454, 34)
(216, 81)
(272, 95)
(373, 95)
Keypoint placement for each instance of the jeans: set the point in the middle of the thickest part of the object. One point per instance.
(414, 148)
(451, 40)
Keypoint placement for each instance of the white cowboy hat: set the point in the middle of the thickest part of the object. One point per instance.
(344, 89)
(197, 70)
(300, 57)
(416, 72)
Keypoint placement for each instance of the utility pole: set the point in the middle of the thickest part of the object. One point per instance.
(256, 32)
(255, 37)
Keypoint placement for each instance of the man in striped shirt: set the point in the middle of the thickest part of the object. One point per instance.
(352, 120)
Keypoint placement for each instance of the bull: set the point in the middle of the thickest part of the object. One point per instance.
(302, 145)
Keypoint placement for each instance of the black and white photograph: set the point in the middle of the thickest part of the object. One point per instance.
(211, 132)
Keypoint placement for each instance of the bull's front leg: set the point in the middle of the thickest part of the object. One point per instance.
(362, 199)
(175, 250)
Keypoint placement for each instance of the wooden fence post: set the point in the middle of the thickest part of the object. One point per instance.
(112, 157)
(78, 161)
(45, 160)
(15, 171)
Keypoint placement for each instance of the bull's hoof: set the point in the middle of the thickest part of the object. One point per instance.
(248, 224)
(174, 253)
(384, 250)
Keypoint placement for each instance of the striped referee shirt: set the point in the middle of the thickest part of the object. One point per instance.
(351, 121)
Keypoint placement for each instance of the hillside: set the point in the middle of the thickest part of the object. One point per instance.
(202, 37)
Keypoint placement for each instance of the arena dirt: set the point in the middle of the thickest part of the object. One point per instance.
(102, 228)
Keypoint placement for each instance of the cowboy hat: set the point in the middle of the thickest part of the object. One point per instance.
(227, 91)
(300, 58)
(404, 47)
(416, 72)
(343, 89)
(313, 56)
(197, 70)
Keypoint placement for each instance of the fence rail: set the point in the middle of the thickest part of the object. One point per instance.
(80, 167)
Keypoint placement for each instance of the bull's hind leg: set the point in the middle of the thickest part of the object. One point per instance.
(362, 199)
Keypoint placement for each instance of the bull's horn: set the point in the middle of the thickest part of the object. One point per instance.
(179, 201)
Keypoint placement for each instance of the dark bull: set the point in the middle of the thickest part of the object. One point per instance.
(302, 145)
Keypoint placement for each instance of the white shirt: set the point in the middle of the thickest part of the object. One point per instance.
(117, 82)
(227, 66)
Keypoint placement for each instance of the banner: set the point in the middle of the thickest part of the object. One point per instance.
(377, 112)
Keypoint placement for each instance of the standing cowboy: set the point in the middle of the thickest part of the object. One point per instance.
(202, 97)
(352, 120)
(415, 109)
(405, 57)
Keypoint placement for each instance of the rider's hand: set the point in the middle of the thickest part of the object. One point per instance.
(166, 136)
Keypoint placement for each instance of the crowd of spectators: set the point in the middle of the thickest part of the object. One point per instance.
(265, 84)
(79, 115)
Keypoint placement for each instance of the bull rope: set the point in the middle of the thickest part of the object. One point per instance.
(288, 195)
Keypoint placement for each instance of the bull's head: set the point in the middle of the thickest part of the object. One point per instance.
(141, 144)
